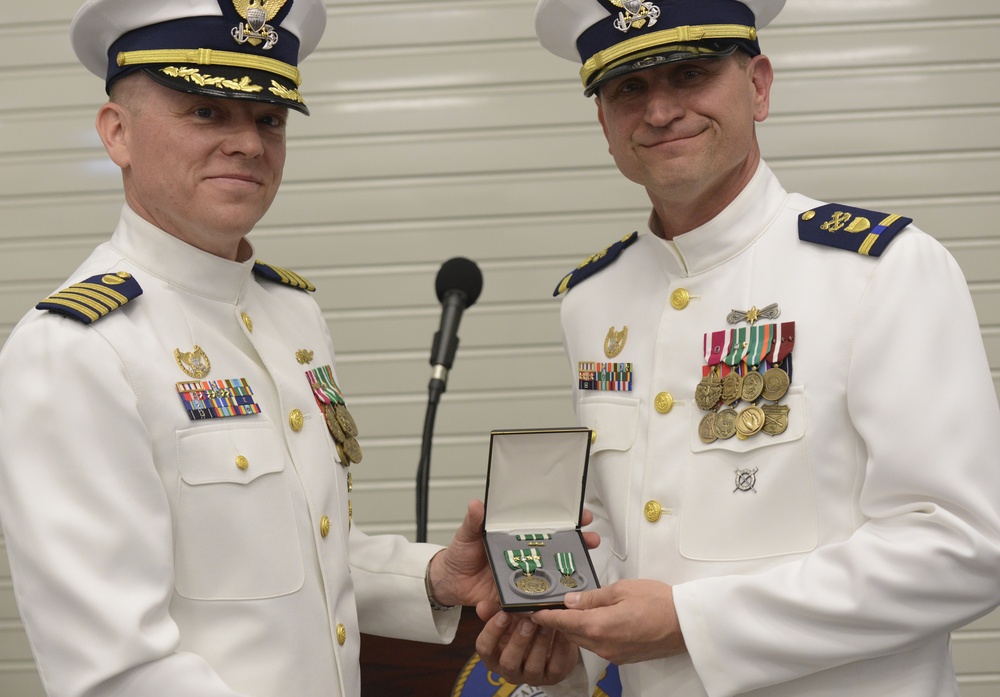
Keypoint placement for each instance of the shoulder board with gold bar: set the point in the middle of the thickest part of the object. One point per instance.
(280, 275)
(854, 229)
(594, 263)
(89, 300)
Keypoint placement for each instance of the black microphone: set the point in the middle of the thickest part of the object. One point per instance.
(458, 284)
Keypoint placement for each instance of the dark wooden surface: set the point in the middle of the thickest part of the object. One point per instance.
(391, 667)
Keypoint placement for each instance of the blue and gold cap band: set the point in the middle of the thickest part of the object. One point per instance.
(615, 37)
(239, 49)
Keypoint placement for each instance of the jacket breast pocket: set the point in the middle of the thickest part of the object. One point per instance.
(753, 498)
(235, 529)
(616, 421)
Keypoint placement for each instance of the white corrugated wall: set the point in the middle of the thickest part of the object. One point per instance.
(441, 129)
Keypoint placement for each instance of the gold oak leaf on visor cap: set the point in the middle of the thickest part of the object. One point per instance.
(237, 49)
(615, 37)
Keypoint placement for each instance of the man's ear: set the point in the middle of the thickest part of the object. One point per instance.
(112, 127)
(600, 117)
(762, 75)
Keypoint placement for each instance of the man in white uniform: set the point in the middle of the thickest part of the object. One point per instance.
(174, 475)
(795, 469)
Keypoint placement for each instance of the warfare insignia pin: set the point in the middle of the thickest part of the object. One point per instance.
(772, 311)
(636, 14)
(195, 364)
(614, 342)
(257, 14)
(746, 480)
(304, 356)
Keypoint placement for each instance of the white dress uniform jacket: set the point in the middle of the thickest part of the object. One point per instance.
(157, 555)
(871, 529)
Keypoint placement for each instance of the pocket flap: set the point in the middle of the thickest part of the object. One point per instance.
(237, 455)
(614, 420)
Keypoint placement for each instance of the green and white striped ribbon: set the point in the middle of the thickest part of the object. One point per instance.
(533, 536)
(527, 560)
(564, 560)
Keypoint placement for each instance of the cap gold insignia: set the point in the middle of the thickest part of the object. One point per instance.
(636, 14)
(614, 342)
(304, 356)
(195, 364)
(257, 14)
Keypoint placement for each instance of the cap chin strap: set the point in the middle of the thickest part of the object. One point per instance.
(678, 35)
(206, 56)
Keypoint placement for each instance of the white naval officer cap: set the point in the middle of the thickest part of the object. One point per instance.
(615, 37)
(237, 49)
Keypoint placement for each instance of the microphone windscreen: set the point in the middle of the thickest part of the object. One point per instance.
(459, 274)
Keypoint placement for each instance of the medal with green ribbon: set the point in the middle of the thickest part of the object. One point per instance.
(527, 561)
(338, 419)
(761, 337)
(567, 567)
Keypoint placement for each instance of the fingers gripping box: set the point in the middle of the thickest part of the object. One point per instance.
(534, 502)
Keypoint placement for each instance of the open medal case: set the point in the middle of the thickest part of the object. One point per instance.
(534, 501)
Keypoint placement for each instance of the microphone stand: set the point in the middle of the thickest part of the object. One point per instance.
(434, 389)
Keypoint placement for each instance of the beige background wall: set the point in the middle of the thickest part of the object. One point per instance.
(440, 129)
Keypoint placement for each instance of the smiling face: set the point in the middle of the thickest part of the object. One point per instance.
(686, 131)
(204, 169)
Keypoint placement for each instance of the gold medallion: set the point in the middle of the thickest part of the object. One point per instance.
(336, 430)
(725, 424)
(195, 364)
(753, 385)
(775, 384)
(532, 584)
(732, 388)
(775, 419)
(342, 454)
(353, 449)
(568, 581)
(708, 391)
(749, 422)
(346, 421)
(614, 342)
(706, 429)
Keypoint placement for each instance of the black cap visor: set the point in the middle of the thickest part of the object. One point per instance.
(661, 55)
(229, 82)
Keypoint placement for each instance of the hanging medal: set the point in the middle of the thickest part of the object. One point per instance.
(338, 419)
(724, 426)
(757, 351)
(732, 382)
(709, 390)
(751, 419)
(527, 561)
(567, 567)
(776, 379)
